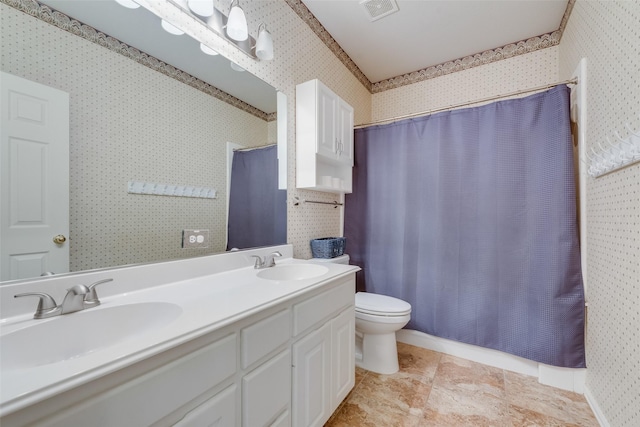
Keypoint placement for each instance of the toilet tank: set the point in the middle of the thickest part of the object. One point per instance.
(342, 259)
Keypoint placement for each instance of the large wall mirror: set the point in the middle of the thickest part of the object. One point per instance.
(134, 119)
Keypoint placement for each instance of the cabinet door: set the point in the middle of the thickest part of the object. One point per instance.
(342, 356)
(311, 378)
(266, 391)
(344, 130)
(327, 137)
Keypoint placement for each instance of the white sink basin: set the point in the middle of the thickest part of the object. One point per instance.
(75, 335)
(293, 272)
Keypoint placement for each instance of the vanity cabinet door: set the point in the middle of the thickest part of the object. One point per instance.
(342, 356)
(312, 378)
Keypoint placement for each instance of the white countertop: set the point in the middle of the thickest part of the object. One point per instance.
(208, 303)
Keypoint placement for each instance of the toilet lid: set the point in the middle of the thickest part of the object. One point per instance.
(381, 304)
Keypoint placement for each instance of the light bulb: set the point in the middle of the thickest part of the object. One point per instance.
(264, 44)
(201, 7)
(129, 4)
(237, 23)
(171, 29)
(236, 67)
(208, 50)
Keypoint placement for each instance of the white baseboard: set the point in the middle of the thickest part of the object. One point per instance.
(564, 378)
(593, 403)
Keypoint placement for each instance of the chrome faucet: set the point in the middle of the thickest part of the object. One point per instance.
(91, 299)
(78, 297)
(268, 261)
(74, 300)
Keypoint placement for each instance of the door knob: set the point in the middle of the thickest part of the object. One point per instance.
(59, 239)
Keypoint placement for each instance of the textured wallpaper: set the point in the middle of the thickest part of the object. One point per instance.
(509, 75)
(300, 56)
(130, 123)
(607, 34)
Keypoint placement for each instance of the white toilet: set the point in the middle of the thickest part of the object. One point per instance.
(378, 317)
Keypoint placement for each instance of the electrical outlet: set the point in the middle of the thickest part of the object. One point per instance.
(195, 239)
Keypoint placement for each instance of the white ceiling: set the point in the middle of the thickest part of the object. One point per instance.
(421, 34)
(424, 33)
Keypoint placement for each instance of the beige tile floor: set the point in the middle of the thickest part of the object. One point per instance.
(435, 389)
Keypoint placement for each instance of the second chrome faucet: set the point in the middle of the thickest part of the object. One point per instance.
(268, 261)
(78, 297)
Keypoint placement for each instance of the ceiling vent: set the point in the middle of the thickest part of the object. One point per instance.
(377, 9)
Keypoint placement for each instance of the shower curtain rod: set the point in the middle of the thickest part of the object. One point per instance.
(253, 148)
(464, 104)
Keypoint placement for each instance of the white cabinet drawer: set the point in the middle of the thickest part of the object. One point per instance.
(219, 411)
(312, 311)
(264, 336)
(154, 395)
(266, 391)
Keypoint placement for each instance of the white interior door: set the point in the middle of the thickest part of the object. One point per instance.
(34, 179)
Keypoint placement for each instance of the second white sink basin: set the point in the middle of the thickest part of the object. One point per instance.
(75, 335)
(293, 272)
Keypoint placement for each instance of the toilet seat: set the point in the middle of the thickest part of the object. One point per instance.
(381, 305)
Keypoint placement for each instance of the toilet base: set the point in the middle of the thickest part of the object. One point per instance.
(379, 353)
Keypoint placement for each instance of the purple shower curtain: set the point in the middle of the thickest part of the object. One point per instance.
(470, 216)
(257, 209)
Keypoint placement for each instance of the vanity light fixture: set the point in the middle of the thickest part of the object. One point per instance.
(237, 23)
(201, 7)
(264, 45)
(129, 4)
(171, 29)
(208, 50)
(232, 28)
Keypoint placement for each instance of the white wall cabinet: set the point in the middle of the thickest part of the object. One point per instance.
(345, 132)
(289, 365)
(324, 139)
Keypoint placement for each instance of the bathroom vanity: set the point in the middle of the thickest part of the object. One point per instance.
(205, 341)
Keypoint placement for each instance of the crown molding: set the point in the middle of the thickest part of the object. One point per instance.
(305, 14)
(510, 50)
(75, 27)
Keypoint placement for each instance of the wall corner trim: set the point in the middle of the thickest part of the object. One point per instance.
(593, 403)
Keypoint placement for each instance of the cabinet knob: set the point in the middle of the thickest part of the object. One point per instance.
(59, 239)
